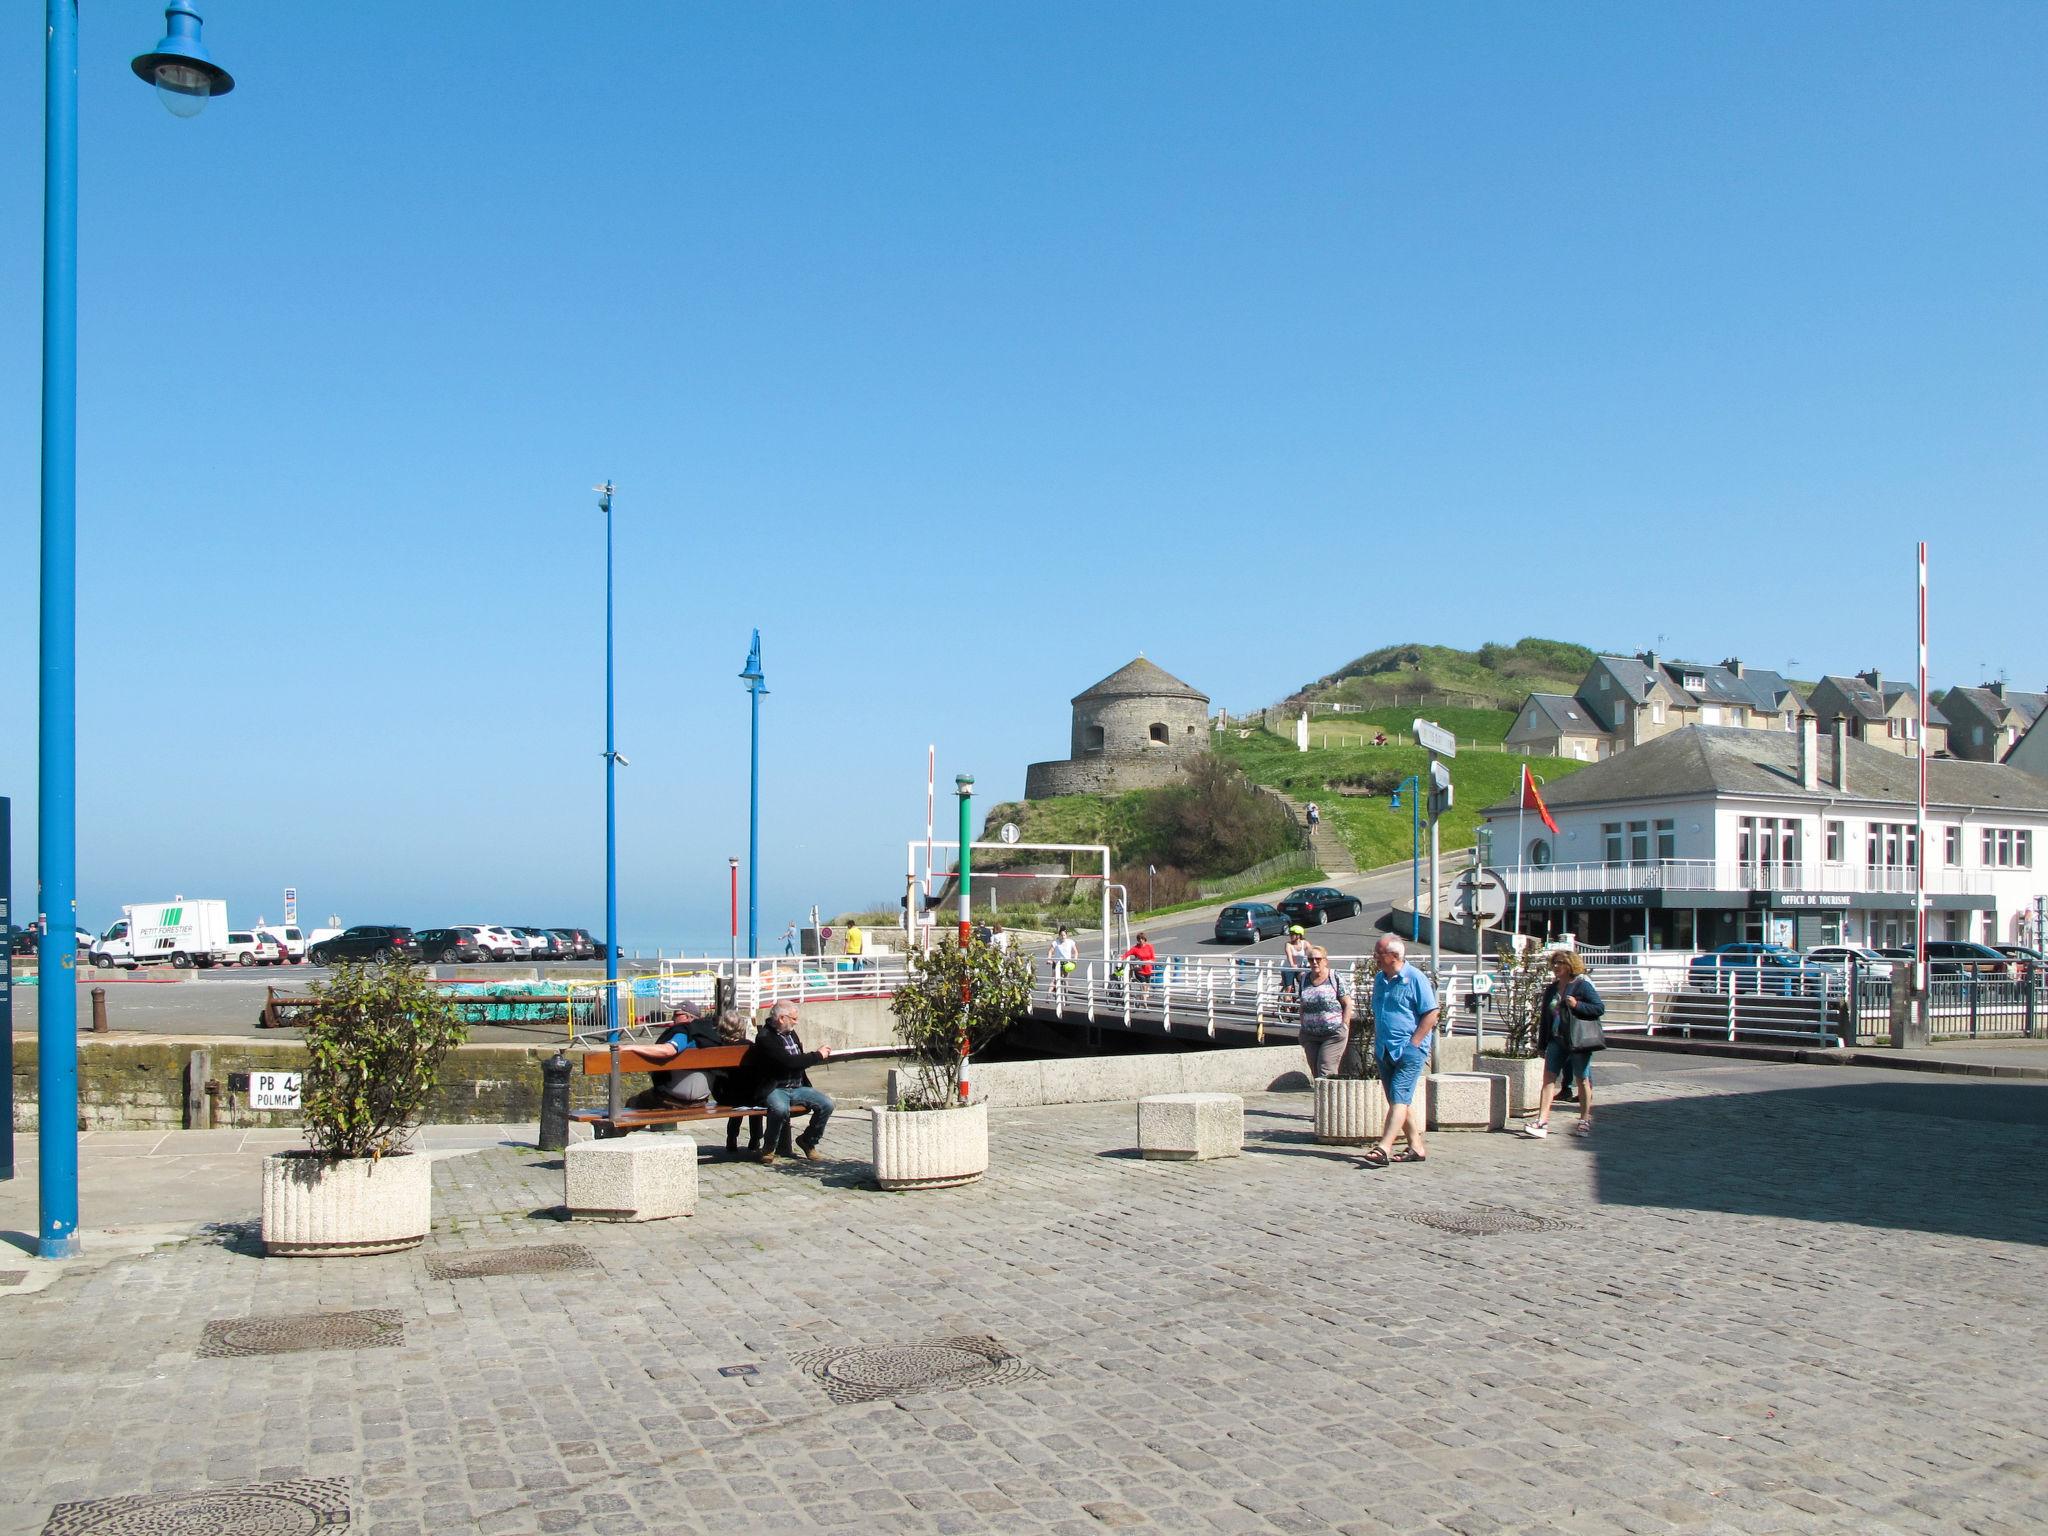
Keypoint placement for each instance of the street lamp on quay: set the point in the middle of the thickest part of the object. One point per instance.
(613, 759)
(185, 79)
(1413, 784)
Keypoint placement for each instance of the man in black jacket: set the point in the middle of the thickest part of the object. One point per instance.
(777, 1063)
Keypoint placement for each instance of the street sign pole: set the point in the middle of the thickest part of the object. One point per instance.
(1438, 741)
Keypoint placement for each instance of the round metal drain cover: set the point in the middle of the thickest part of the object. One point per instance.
(298, 1508)
(1484, 1221)
(856, 1375)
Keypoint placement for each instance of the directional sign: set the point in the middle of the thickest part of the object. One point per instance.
(1433, 736)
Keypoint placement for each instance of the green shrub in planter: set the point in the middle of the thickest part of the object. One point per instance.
(375, 1039)
(930, 1020)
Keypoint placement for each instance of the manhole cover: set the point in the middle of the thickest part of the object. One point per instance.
(383, 1328)
(1484, 1221)
(535, 1259)
(859, 1375)
(261, 1509)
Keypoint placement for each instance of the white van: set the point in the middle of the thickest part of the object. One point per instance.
(292, 939)
(180, 932)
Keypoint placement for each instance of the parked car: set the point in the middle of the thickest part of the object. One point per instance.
(1314, 904)
(366, 941)
(246, 947)
(2031, 962)
(544, 945)
(576, 945)
(497, 943)
(292, 939)
(592, 947)
(20, 941)
(1248, 922)
(450, 946)
(1843, 959)
(1960, 957)
(1753, 967)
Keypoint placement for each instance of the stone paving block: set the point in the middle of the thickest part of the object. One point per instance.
(1190, 1126)
(1467, 1101)
(631, 1178)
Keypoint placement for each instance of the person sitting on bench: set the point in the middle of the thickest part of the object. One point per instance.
(681, 1086)
(777, 1062)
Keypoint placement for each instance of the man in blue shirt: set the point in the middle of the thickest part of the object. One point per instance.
(1404, 1013)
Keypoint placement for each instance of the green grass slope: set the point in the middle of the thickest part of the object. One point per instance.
(1356, 727)
(1375, 834)
(1500, 675)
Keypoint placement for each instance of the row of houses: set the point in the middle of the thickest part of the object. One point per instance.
(1626, 701)
(1708, 834)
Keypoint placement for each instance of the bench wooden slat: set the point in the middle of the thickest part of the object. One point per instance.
(711, 1058)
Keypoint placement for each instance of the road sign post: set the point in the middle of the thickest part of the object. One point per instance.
(1438, 741)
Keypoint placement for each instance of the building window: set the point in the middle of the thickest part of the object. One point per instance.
(1656, 711)
(1736, 716)
(1952, 848)
(1639, 842)
(1091, 739)
(1831, 841)
(1893, 846)
(1694, 682)
(1539, 852)
(1976, 735)
(2008, 848)
(1667, 838)
(1610, 839)
(1160, 733)
(1767, 843)
(1603, 682)
(1710, 714)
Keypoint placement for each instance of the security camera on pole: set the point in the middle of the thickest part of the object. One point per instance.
(1437, 740)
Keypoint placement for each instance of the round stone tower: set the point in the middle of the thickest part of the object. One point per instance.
(1136, 729)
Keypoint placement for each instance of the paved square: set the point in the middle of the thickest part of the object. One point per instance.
(1758, 1299)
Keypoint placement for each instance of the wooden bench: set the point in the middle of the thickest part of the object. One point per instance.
(715, 1058)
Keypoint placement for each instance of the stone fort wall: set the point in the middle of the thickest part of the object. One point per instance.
(1126, 725)
(1101, 775)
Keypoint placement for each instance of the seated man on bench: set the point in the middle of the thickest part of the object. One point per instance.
(775, 1065)
(682, 1086)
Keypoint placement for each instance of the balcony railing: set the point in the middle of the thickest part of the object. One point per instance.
(1737, 875)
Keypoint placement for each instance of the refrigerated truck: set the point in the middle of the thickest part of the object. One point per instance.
(179, 933)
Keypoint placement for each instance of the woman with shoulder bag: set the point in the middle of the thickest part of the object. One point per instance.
(1325, 1021)
(1569, 1033)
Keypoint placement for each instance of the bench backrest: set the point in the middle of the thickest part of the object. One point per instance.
(710, 1058)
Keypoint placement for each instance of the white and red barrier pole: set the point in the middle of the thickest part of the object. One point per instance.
(965, 785)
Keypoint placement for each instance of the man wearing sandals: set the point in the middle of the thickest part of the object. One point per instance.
(1404, 1012)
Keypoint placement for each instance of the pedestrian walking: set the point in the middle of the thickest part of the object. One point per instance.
(1404, 1015)
(1325, 1027)
(1315, 815)
(1568, 1033)
(999, 938)
(789, 939)
(1142, 954)
(1294, 961)
(856, 946)
(1062, 957)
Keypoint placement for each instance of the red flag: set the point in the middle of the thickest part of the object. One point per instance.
(1533, 801)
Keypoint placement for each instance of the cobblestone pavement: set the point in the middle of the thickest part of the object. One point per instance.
(1784, 1299)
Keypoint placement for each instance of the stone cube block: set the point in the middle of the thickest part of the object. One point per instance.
(1452, 1053)
(1467, 1101)
(1190, 1127)
(631, 1178)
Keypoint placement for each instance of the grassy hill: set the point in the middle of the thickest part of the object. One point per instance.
(1500, 676)
(1356, 727)
(1352, 785)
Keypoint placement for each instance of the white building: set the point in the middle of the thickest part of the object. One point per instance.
(1711, 835)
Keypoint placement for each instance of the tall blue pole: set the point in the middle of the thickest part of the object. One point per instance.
(56, 722)
(1413, 784)
(756, 683)
(611, 812)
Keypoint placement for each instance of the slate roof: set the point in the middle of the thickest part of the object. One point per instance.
(1566, 715)
(1892, 696)
(1860, 698)
(1758, 688)
(1141, 679)
(2026, 706)
(1700, 760)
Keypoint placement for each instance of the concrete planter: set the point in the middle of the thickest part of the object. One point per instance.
(1349, 1110)
(324, 1207)
(930, 1148)
(1525, 1080)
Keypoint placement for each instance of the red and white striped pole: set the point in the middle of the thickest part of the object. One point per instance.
(735, 863)
(965, 784)
(1920, 882)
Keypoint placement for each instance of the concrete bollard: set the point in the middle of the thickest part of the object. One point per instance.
(554, 1103)
(99, 1010)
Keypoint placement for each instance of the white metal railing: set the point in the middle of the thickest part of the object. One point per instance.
(1740, 875)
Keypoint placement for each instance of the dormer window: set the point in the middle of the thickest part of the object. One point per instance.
(1694, 682)
(1603, 682)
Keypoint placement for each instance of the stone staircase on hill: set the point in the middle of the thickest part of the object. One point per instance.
(1324, 845)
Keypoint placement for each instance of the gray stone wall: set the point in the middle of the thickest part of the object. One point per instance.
(1126, 724)
(1100, 775)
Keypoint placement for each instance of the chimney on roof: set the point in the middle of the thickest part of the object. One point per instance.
(1734, 664)
(1842, 753)
(1809, 752)
(1648, 659)
(1875, 678)
(1997, 690)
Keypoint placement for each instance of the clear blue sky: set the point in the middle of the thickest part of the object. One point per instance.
(968, 350)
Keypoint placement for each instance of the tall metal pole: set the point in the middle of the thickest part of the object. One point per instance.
(1436, 957)
(757, 684)
(735, 871)
(964, 784)
(56, 722)
(611, 819)
(1415, 861)
(1920, 809)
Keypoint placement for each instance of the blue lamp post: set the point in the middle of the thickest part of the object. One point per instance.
(184, 77)
(757, 684)
(1413, 784)
(612, 760)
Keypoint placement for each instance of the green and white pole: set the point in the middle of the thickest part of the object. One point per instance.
(964, 785)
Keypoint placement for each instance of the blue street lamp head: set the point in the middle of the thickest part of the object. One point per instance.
(184, 75)
(1395, 803)
(756, 680)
